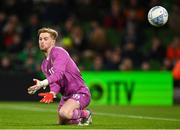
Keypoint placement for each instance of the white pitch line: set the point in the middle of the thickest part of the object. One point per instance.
(27, 108)
(38, 109)
(137, 117)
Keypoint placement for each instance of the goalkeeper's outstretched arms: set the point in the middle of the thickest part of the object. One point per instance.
(38, 85)
(48, 97)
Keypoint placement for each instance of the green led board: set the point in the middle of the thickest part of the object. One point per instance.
(130, 88)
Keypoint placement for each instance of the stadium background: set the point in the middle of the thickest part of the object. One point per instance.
(100, 35)
(115, 48)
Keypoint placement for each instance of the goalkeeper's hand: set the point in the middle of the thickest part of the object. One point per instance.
(47, 97)
(38, 85)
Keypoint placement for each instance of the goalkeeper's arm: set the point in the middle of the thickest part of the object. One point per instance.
(38, 85)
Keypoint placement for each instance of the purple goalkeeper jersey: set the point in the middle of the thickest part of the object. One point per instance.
(62, 73)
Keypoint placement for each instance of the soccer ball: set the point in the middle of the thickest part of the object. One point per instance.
(157, 16)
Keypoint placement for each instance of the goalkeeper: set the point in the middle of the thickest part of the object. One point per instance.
(62, 75)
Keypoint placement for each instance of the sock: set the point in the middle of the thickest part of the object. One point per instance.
(84, 113)
(77, 113)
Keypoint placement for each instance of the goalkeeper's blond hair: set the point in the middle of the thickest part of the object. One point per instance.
(53, 33)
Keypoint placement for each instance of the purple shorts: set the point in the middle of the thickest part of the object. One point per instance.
(82, 99)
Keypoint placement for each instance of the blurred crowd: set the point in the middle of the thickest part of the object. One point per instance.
(98, 34)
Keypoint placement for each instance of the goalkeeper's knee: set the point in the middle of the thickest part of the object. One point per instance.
(65, 114)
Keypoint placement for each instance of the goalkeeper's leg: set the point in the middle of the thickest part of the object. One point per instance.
(73, 110)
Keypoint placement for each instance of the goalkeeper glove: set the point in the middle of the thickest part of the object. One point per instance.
(47, 97)
(38, 84)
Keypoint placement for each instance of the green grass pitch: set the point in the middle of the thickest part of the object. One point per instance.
(34, 115)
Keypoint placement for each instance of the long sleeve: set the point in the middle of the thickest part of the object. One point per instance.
(59, 61)
(54, 87)
(176, 70)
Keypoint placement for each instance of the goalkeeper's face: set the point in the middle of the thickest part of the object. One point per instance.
(45, 41)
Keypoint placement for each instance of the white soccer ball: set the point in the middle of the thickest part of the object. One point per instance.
(157, 16)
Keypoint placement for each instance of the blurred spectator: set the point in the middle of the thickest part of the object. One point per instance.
(130, 51)
(78, 38)
(135, 16)
(87, 58)
(30, 29)
(98, 64)
(112, 59)
(130, 34)
(174, 18)
(167, 64)
(115, 19)
(29, 50)
(176, 71)
(2, 22)
(6, 64)
(11, 33)
(126, 65)
(134, 11)
(176, 76)
(97, 37)
(157, 51)
(2, 19)
(173, 50)
(68, 26)
(16, 43)
(145, 66)
(30, 65)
